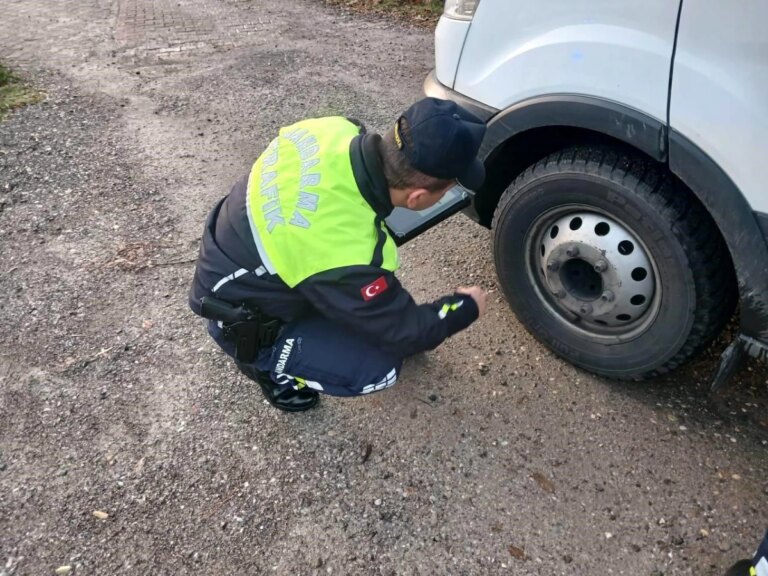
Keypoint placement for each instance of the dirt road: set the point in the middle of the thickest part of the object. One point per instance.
(490, 456)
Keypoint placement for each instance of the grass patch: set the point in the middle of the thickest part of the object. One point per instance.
(419, 12)
(14, 93)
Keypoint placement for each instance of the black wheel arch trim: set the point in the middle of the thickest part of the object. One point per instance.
(762, 220)
(599, 115)
(738, 223)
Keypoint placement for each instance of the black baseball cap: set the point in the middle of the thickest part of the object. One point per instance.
(443, 140)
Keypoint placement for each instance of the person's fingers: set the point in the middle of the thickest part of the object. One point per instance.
(481, 302)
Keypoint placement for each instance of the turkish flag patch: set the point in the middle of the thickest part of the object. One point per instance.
(374, 288)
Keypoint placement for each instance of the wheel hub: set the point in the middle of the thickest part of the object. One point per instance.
(596, 269)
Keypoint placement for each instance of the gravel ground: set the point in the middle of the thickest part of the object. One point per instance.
(490, 456)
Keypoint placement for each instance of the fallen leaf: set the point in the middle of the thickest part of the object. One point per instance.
(543, 482)
(63, 569)
(100, 515)
(517, 553)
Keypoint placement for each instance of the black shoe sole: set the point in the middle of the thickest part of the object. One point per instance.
(293, 409)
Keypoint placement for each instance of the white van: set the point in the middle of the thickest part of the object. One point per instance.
(625, 152)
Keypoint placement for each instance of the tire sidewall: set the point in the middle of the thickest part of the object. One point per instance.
(674, 319)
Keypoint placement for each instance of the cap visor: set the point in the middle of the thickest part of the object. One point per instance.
(474, 177)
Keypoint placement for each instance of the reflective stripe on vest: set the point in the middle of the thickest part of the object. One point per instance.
(304, 207)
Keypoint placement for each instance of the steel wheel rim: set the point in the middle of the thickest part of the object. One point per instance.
(593, 272)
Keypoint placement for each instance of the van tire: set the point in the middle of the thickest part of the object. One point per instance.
(693, 279)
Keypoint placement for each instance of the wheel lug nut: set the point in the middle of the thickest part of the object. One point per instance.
(608, 296)
(553, 266)
(572, 252)
(601, 266)
(586, 309)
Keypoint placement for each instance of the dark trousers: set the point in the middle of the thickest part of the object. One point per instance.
(315, 353)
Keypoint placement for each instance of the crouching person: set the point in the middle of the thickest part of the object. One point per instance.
(296, 272)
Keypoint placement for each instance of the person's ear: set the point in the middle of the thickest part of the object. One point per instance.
(416, 198)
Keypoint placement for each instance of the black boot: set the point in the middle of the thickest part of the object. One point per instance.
(281, 397)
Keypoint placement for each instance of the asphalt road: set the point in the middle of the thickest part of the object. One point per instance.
(489, 456)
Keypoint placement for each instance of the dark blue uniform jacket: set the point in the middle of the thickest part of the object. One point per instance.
(391, 319)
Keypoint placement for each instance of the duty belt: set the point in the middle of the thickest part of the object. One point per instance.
(244, 325)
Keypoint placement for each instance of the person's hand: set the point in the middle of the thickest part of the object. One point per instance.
(478, 295)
